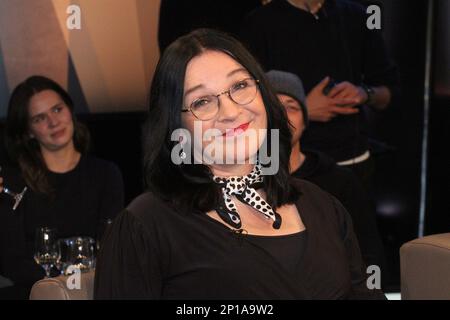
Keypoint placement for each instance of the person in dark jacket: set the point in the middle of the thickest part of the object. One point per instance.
(322, 170)
(343, 64)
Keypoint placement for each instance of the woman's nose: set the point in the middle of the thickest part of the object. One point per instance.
(52, 120)
(228, 109)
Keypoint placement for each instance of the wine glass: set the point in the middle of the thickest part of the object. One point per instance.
(16, 196)
(78, 252)
(47, 252)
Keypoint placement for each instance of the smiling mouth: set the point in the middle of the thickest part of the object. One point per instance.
(58, 134)
(236, 131)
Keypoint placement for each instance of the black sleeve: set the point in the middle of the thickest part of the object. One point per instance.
(362, 212)
(112, 198)
(356, 264)
(128, 265)
(378, 69)
(15, 263)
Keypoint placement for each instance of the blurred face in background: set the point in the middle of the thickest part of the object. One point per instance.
(50, 121)
(295, 116)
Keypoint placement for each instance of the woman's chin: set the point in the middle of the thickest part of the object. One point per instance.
(229, 158)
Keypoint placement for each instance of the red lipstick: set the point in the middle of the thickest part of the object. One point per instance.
(236, 131)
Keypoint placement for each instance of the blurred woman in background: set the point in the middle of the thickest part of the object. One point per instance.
(67, 189)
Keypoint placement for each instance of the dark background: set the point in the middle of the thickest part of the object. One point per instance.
(399, 131)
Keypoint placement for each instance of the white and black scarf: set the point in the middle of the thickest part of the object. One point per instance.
(244, 188)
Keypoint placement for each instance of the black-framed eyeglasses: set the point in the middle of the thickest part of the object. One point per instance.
(242, 92)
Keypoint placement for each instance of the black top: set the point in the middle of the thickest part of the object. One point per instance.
(84, 197)
(342, 183)
(153, 251)
(339, 45)
(293, 247)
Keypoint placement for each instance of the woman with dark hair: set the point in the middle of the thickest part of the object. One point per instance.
(218, 221)
(31, 137)
(67, 189)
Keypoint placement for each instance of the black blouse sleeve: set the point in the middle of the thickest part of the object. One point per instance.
(378, 68)
(355, 199)
(15, 263)
(358, 273)
(128, 265)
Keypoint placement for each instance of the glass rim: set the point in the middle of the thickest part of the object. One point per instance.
(46, 229)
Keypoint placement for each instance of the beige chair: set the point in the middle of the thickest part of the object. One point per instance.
(58, 289)
(425, 268)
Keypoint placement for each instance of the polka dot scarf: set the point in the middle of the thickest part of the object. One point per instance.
(244, 188)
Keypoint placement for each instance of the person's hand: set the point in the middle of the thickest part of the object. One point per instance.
(324, 108)
(347, 90)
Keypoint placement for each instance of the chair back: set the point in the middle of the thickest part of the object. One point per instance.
(64, 288)
(425, 268)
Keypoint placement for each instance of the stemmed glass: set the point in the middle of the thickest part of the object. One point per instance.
(78, 252)
(48, 253)
(16, 196)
